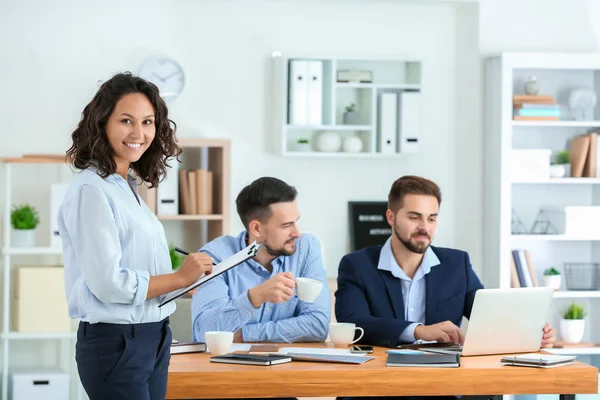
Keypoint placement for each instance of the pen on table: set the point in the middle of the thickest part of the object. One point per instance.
(186, 253)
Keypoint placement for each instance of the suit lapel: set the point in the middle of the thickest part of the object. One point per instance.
(394, 289)
(433, 281)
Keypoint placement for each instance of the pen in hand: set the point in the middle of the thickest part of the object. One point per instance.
(186, 253)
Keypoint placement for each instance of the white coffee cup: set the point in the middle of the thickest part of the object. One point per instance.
(308, 289)
(218, 342)
(342, 333)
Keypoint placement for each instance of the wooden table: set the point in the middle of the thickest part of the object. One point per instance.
(194, 376)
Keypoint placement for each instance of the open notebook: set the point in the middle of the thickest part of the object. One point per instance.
(537, 360)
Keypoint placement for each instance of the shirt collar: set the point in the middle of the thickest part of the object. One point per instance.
(277, 263)
(113, 177)
(387, 261)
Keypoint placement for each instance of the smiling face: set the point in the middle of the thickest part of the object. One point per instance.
(415, 222)
(280, 231)
(130, 129)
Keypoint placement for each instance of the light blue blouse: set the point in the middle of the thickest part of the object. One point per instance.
(112, 244)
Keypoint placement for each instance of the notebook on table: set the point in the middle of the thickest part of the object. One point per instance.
(251, 359)
(537, 360)
(413, 358)
(330, 358)
(189, 347)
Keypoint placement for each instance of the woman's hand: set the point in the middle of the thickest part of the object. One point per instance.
(194, 265)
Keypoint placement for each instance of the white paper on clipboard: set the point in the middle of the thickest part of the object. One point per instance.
(228, 263)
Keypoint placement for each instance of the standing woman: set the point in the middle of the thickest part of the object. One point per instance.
(115, 253)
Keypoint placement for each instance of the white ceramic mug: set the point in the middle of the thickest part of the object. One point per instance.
(218, 342)
(342, 333)
(308, 289)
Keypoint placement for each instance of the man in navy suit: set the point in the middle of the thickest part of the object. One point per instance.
(408, 290)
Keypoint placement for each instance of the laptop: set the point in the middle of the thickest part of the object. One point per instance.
(504, 321)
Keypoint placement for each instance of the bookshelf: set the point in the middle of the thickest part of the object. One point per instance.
(191, 231)
(558, 75)
(63, 340)
(385, 92)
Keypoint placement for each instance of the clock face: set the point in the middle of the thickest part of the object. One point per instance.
(164, 73)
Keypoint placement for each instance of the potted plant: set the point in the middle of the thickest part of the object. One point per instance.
(552, 278)
(561, 163)
(24, 220)
(303, 145)
(572, 325)
(176, 258)
(350, 115)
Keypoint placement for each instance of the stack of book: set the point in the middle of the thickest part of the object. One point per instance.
(522, 270)
(195, 191)
(535, 108)
(584, 156)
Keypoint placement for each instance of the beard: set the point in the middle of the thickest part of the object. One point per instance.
(280, 251)
(418, 247)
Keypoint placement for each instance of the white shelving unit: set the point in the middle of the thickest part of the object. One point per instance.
(558, 74)
(8, 253)
(388, 75)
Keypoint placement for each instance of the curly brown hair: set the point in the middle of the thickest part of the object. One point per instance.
(90, 142)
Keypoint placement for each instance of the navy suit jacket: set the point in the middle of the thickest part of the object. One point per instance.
(372, 298)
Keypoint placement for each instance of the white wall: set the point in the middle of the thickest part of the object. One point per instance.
(59, 51)
(537, 26)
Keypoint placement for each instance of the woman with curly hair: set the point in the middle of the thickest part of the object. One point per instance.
(115, 253)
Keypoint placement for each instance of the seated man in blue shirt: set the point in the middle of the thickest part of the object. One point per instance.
(256, 299)
(408, 290)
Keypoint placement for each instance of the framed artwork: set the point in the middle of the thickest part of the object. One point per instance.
(368, 225)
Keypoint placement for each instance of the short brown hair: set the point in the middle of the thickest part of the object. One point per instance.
(254, 200)
(411, 184)
(90, 143)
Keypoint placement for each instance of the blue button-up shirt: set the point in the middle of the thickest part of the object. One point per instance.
(111, 246)
(413, 290)
(222, 304)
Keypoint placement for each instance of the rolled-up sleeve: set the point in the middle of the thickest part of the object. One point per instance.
(90, 223)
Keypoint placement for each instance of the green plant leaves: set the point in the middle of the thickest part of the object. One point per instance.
(575, 311)
(24, 216)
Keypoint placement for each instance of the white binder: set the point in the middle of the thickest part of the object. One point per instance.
(388, 123)
(315, 93)
(57, 195)
(298, 92)
(167, 193)
(410, 122)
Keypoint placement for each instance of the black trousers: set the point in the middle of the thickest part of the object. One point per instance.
(118, 361)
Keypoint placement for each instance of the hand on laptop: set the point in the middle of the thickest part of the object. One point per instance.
(549, 336)
(443, 332)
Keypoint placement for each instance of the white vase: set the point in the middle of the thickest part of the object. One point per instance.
(532, 86)
(329, 142)
(552, 281)
(352, 144)
(23, 237)
(571, 330)
(557, 171)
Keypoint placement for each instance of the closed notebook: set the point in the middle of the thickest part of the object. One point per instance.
(251, 359)
(411, 358)
(190, 347)
(537, 360)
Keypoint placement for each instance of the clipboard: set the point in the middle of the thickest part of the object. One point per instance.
(225, 265)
